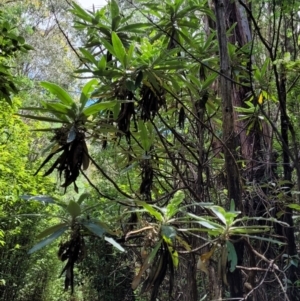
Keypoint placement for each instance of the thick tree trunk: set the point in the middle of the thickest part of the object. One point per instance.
(232, 171)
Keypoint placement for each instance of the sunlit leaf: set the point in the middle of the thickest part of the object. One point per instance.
(62, 95)
(119, 49)
(114, 243)
(96, 108)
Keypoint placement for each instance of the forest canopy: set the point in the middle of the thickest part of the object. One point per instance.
(149, 150)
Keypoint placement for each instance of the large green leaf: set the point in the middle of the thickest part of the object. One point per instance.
(48, 240)
(114, 9)
(62, 95)
(174, 203)
(119, 49)
(50, 230)
(86, 92)
(96, 108)
(114, 243)
(74, 209)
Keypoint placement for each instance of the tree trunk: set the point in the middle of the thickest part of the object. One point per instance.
(232, 171)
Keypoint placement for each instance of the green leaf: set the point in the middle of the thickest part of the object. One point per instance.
(107, 46)
(94, 228)
(50, 230)
(42, 118)
(81, 13)
(114, 243)
(220, 213)
(173, 206)
(47, 240)
(232, 256)
(96, 108)
(294, 206)
(102, 63)
(82, 197)
(168, 232)
(119, 49)
(58, 107)
(74, 209)
(62, 95)
(114, 9)
(136, 28)
(40, 198)
(86, 92)
(151, 210)
(130, 53)
(145, 139)
(88, 56)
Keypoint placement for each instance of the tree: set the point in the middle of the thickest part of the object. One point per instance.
(196, 179)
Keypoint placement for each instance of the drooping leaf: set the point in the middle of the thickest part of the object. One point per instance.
(232, 256)
(94, 228)
(47, 240)
(62, 95)
(50, 230)
(148, 261)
